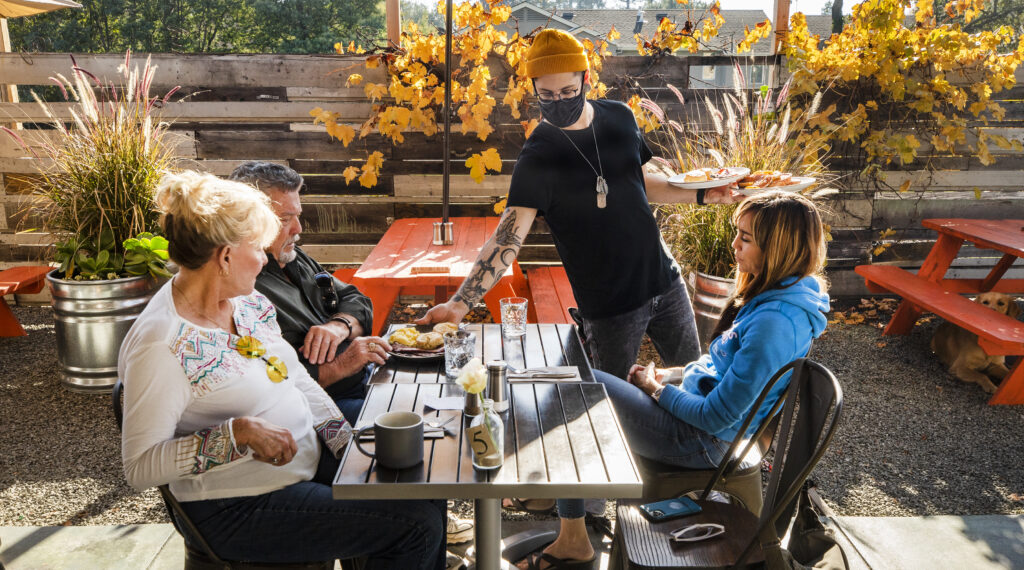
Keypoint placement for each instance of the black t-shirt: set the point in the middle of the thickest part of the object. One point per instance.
(614, 256)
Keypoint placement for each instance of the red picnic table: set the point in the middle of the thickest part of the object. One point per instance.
(25, 279)
(929, 290)
(406, 258)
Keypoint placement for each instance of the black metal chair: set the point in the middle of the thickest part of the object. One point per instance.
(810, 410)
(199, 555)
(742, 484)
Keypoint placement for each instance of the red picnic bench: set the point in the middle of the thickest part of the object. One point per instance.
(550, 295)
(547, 289)
(25, 279)
(929, 290)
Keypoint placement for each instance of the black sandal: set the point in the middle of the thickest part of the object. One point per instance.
(554, 562)
(600, 524)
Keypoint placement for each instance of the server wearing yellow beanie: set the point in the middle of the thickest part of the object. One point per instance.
(555, 51)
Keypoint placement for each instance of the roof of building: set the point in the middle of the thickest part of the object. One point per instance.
(819, 25)
(601, 22)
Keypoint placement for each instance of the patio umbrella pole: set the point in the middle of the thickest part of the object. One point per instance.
(443, 232)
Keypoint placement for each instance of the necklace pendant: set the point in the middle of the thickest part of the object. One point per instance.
(602, 192)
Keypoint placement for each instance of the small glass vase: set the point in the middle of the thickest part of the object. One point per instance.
(489, 445)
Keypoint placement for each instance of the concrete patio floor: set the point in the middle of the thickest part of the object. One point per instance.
(980, 542)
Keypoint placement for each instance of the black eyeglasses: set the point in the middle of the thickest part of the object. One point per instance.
(328, 295)
(567, 93)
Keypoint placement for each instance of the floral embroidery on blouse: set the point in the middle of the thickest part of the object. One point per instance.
(208, 357)
(255, 314)
(336, 433)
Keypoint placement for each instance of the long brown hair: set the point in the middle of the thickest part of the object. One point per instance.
(788, 229)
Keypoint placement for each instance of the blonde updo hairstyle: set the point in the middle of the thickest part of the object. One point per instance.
(201, 213)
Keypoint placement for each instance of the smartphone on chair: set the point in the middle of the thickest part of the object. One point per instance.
(670, 509)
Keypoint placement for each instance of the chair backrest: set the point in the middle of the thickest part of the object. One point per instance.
(812, 407)
(184, 525)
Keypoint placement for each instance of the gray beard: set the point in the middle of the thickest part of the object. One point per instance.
(287, 257)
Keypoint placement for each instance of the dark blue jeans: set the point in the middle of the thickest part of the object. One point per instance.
(614, 342)
(304, 523)
(350, 400)
(653, 433)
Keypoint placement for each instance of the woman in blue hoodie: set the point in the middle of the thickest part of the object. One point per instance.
(777, 310)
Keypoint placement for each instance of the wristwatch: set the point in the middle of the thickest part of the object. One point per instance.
(656, 394)
(348, 323)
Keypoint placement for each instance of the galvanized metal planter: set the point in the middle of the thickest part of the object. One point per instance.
(709, 295)
(92, 319)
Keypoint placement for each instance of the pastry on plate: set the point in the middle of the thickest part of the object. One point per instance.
(445, 328)
(429, 341)
(699, 175)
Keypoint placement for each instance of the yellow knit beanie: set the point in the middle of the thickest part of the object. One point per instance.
(555, 51)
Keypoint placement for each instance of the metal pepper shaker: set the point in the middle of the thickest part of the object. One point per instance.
(497, 384)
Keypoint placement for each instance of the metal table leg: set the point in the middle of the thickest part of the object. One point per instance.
(487, 516)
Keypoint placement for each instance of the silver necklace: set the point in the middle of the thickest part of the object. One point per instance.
(193, 307)
(602, 185)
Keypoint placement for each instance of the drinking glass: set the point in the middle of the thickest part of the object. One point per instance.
(513, 316)
(459, 347)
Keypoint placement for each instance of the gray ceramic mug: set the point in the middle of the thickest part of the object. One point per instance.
(398, 438)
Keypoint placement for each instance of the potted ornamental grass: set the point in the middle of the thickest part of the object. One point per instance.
(100, 165)
(761, 131)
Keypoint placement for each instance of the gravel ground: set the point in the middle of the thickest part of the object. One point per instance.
(913, 440)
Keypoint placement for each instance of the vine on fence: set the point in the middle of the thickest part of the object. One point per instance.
(898, 94)
(412, 99)
(904, 94)
(895, 94)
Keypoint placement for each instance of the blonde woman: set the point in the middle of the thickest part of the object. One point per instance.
(218, 405)
(777, 310)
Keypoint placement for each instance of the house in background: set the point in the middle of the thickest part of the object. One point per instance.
(595, 25)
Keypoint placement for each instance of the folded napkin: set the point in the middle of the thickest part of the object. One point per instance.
(547, 374)
(428, 433)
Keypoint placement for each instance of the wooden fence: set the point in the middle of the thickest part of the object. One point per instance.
(246, 107)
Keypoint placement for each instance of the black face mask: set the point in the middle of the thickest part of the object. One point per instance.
(563, 112)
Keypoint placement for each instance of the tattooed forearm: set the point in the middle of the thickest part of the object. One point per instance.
(489, 267)
(506, 234)
(496, 256)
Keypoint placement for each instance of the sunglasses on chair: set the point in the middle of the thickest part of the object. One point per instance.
(697, 532)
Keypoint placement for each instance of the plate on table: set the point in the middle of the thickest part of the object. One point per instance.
(717, 177)
(413, 354)
(796, 184)
(418, 355)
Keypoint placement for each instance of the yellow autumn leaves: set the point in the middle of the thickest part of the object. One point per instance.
(930, 79)
(479, 163)
(412, 97)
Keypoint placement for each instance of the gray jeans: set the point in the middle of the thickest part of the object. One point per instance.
(614, 342)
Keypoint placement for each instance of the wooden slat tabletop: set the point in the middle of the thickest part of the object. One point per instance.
(562, 439)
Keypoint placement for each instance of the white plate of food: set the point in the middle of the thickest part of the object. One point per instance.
(708, 177)
(419, 342)
(773, 180)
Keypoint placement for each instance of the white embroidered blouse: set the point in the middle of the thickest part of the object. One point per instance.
(183, 384)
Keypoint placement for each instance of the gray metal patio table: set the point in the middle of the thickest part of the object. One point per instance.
(562, 439)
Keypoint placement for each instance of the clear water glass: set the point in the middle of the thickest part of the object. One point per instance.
(459, 348)
(513, 316)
